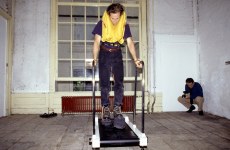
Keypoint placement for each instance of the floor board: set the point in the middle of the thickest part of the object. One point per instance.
(165, 131)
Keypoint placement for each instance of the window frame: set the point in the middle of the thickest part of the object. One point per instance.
(55, 41)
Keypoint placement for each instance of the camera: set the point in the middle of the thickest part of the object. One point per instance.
(184, 95)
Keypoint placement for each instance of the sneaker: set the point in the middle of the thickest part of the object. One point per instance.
(106, 121)
(191, 109)
(119, 120)
(201, 113)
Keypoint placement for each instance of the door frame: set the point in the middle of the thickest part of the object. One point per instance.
(8, 61)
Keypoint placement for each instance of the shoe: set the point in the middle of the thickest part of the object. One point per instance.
(53, 114)
(119, 120)
(45, 115)
(191, 109)
(106, 121)
(201, 113)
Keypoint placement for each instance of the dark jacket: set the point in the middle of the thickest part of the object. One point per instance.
(195, 91)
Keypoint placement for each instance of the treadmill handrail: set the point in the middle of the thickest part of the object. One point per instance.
(93, 82)
(143, 96)
(135, 98)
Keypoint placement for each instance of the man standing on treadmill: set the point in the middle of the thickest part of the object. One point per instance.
(109, 34)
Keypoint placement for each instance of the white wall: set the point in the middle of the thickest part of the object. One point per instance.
(214, 35)
(175, 49)
(31, 46)
(3, 5)
(3, 50)
(176, 60)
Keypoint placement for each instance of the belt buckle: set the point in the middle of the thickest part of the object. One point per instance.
(110, 50)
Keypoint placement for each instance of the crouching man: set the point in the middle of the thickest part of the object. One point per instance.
(193, 94)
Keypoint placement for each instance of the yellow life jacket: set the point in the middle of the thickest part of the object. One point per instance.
(113, 33)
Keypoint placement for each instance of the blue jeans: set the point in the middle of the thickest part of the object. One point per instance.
(111, 63)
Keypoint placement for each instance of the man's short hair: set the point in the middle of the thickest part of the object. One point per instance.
(189, 80)
(115, 8)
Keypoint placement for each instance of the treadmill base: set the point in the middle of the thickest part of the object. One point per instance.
(112, 137)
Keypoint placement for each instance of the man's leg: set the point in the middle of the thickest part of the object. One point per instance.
(118, 74)
(199, 101)
(186, 103)
(104, 78)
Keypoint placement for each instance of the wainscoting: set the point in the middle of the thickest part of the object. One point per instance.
(38, 103)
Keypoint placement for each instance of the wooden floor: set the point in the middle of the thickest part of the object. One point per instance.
(165, 131)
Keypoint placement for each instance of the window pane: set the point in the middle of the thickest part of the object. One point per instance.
(64, 13)
(82, 86)
(78, 32)
(129, 55)
(89, 29)
(78, 13)
(135, 31)
(88, 86)
(106, 1)
(132, 1)
(69, 86)
(89, 73)
(78, 68)
(91, 0)
(137, 51)
(131, 86)
(118, 1)
(130, 69)
(136, 44)
(64, 68)
(66, 0)
(78, 50)
(132, 14)
(97, 71)
(89, 50)
(91, 14)
(64, 50)
(78, 86)
(64, 86)
(102, 10)
(123, 49)
(89, 69)
(64, 32)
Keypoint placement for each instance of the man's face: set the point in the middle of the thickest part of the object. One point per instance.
(190, 85)
(115, 17)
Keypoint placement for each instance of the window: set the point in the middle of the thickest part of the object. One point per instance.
(75, 22)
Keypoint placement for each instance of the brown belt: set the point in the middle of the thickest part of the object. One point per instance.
(110, 49)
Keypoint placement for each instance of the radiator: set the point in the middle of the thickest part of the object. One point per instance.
(84, 104)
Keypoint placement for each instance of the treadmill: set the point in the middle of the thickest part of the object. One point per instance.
(112, 137)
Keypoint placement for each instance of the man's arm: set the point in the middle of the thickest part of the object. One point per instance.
(198, 91)
(187, 92)
(96, 47)
(132, 51)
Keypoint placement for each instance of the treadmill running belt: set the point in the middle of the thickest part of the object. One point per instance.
(110, 136)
